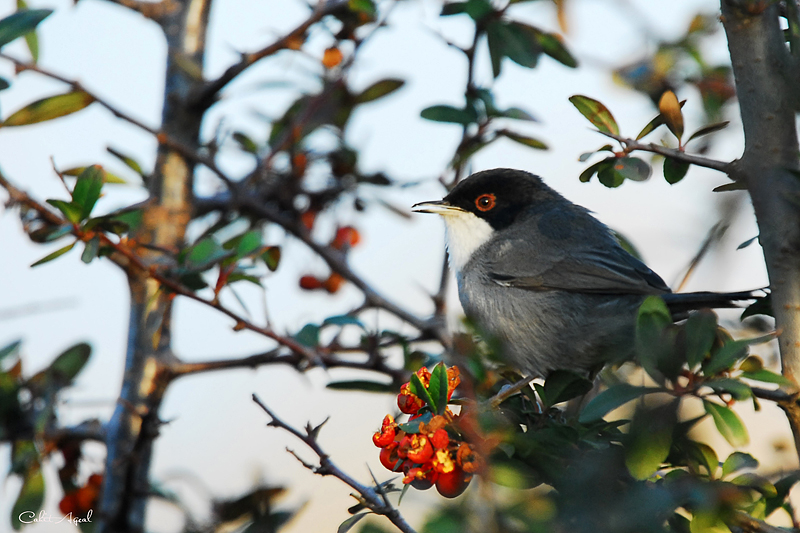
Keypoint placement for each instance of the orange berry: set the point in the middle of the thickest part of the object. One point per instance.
(420, 450)
(69, 503)
(333, 283)
(332, 57)
(310, 283)
(440, 439)
(346, 237)
(308, 218)
(453, 483)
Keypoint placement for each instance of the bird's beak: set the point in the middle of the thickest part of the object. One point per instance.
(441, 207)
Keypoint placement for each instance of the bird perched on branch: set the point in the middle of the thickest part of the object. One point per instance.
(545, 277)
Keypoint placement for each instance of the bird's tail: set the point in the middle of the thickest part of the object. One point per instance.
(681, 303)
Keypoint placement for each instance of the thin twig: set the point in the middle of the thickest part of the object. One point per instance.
(508, 391)
(632, 144)
(151, 10)
(164, 139)
(369, 497)
(205, 97)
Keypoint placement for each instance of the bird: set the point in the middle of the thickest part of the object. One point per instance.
(544, 277)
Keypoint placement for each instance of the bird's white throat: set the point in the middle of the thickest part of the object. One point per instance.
(464, 234)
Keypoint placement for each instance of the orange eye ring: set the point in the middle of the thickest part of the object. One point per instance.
(485, 202)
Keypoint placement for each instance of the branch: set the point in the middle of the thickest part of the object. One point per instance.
(700, 161)
(293, 359)
(163, 139)
(125, 250)
(336, 261)
(151, 10)
(753, 525)
(206, 95)
(508, 391)
(374, 500)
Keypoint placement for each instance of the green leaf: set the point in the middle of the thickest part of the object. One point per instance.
(737, 461)
(734, 387)
(521, 43)
(308, 335)
(633, 168)
(49, 108)
(30, 498)
(362, 385)
(563, 385)
(206, 253)
(348, 524)
(454, 8)
(747, 243)
(522, 139)
(652, 346)
(21, 23)
(127, 160)
(596, 113)
(704, 455)
(586, 155)
(728, 424)
(379, 89)
(54, 255)
(553, 46)
(674, 170)
(705, 130)
(652, 125)
(649, 439)
(608, 174)
(782, 488)
(419, 389)
(31, 39)
(4, 84)
(701, 331)
(343, 320)
(244, 244)
(756, 482)
(612, 398)
(587, 174)
(767, 376)
(241, 276)
(446, 113)
(518, 114)
(726, 357)
(71, 210)
(271, 257)
(478, 9)
(245, 143)
(90, 250)
(438, 387)
(494, 40)
(733, 186)
(10, 349)
(69, 364)
(87, 189)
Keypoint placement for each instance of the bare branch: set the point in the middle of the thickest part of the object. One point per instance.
(507, 392)
(370, 498)
(272, 357)
(206, 96)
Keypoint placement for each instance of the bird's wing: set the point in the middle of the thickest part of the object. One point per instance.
(588, 269)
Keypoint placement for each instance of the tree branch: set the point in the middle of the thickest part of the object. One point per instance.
(700, 161)
(372, 499)
(206, 95)
(163, 139)
(151, 10)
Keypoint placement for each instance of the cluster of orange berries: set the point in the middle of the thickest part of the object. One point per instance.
(429, 449)
(346, 237)
(83, 499)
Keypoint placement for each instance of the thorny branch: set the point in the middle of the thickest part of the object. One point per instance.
(369, 497)
(335, 261)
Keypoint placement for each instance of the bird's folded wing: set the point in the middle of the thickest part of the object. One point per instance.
(588, 270)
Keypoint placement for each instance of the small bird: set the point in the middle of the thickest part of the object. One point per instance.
(545, 277)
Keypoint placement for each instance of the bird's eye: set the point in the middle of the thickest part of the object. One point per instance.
(485, 202)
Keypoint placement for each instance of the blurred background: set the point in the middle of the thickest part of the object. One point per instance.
(216, 443)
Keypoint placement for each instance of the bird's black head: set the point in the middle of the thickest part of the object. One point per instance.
(498, 196)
